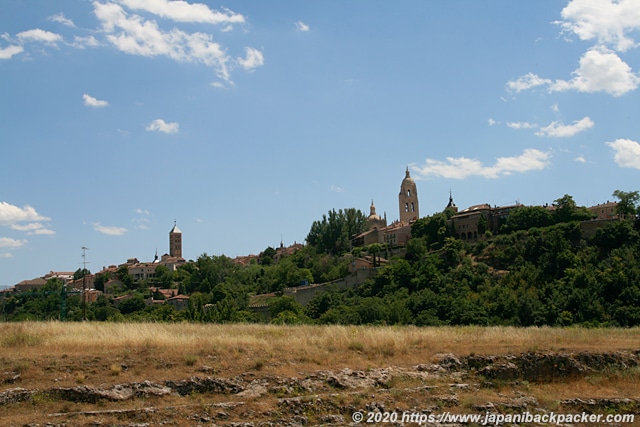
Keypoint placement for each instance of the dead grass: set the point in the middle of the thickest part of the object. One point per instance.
(53, 354)
(239, 346)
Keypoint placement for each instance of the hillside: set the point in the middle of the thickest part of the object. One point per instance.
(540, 269)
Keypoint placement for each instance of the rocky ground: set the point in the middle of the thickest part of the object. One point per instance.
(451, 385)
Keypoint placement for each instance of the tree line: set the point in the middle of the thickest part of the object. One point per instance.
(539, 268)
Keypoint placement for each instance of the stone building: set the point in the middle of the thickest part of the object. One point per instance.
(466, 223)
(398, 232)
(408, 199)
(604, 211)
(175, 242)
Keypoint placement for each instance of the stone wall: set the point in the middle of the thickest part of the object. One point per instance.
(304, 294)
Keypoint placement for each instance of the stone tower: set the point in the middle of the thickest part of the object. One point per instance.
(175, 241)
(408, 199)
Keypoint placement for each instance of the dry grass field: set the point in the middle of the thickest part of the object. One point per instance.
(300, 375)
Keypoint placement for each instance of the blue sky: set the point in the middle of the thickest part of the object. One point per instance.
(246, 121)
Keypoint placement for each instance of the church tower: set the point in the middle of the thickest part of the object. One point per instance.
(408, 199)
(175, 241)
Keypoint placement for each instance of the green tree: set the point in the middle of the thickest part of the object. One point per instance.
(164, 276)
(284, 304)
(267, 256)
(526, 217)
(434, 229)
(627, 206)
(80, 273)
(567, 210)
(374, 250)
(334, 232)
(123, 275)
(287, 275)
(100, 280)
(482, 225)
(132, 305)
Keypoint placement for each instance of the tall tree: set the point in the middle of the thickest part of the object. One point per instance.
(526, 217)
(334, 232)
(628, 203)
(80, 273)
(567, 210)
(434, 228)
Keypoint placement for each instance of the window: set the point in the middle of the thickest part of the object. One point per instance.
(406, 207)
(413, 209)
(408, 193)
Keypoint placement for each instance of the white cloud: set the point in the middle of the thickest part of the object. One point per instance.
(253, 59)
(526, 82)
(302, 27)
(142, 222)
(82, 42)
(6, 255)
(462, 167)
(109, 230)
(61, 19)
(90, 101)
(10, 51)
(336, 188)
(521, 125)
(600, 71)
(162, 126)
(33, 228)
(181, 11)
(555, 108)
(607, 21)
(627, 153)
(10, 214)
(560, 130)
(492, 122)
(134, 35)
(581, 159)
(7, 242)
(39, 35)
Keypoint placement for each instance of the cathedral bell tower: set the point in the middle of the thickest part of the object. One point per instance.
(175, 241)
(408, 199)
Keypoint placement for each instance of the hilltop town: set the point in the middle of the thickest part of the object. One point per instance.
(156, 279)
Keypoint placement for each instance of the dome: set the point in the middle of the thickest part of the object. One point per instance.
(372, 213)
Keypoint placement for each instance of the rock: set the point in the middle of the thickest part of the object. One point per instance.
(15, 395)
(9, 377)
(500, 371)
(206, 369)
(549, 366)
(332, 419)
(254, 389)
(117, 393)
(449, 361)
(205, 385)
